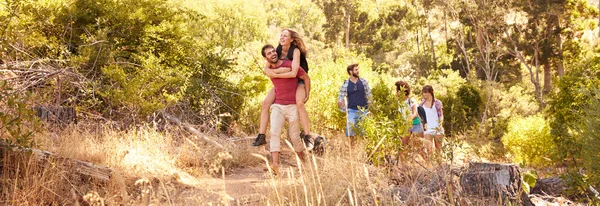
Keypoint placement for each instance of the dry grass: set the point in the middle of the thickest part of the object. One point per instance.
(170, 167)
(343, 177)
(25, 182)
(149, 167)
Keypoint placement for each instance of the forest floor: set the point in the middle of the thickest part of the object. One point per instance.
(151, 167)
(249, 185)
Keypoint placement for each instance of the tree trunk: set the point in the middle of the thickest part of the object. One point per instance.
(535, 79)
(56, 114)
(491, 180)
(559, 62)
(547, 78)
(432, 46)
(348, 25)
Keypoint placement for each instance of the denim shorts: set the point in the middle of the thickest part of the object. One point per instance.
(434, 131)
(416, 129)
(353, 122)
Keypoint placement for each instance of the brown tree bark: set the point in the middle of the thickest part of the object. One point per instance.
(432, 46)
(559, 62)
(348, 24)
(492, 180)
(547, 78)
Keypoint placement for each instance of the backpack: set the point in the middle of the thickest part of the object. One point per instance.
(423, 116)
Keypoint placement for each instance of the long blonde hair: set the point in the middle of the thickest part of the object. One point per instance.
(297, 40)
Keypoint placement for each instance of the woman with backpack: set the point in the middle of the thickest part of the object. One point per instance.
(434, 114)
(403, 92)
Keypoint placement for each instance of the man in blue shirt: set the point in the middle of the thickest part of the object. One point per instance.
(357, 94)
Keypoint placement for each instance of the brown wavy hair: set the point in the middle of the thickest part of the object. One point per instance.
(297, 40)
(429, 89)
(403, 84)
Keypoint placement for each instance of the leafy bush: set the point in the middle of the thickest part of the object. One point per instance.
(385, 127)
(528, 140)
(568, 114)
(471, 101)
(17, 121)
(506, 104)
(589, 129)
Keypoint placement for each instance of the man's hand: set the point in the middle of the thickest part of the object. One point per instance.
(306, 98)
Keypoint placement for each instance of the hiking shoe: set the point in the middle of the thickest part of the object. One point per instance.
(261, 139)
(307, 143)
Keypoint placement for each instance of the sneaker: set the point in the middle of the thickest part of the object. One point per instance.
(261, 139)
(307, 143)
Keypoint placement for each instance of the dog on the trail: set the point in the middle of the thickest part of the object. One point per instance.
(319, 145)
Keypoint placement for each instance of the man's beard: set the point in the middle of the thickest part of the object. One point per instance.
(355, 74)
(273, 60)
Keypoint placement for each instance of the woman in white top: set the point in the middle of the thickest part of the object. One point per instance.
(435, 117)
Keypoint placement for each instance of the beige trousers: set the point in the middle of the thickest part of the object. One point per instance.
(279, 114)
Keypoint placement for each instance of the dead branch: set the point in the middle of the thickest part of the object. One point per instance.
(191, 129)
(23, 75)
(49, 159)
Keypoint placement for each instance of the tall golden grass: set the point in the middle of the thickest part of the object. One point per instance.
(171, 167)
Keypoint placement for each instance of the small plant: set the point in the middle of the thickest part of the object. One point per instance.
(18, 122)
(529, 180)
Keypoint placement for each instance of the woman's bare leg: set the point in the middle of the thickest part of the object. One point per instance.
(439, 139)
(264, 112)
(300, 95)
(429, 145)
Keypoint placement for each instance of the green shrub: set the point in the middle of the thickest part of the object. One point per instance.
(385, 126)
(505, 104)
(589, 129)
(471, 101)
(17, 121)
(568, 114)
(528, 140)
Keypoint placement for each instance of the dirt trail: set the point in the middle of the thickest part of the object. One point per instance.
(242, 186)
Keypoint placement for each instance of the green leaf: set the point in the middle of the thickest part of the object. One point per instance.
(529, 180)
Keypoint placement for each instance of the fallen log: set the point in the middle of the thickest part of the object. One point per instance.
(553, 186)
(48, 159)
(191, 129)
(493, 180)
